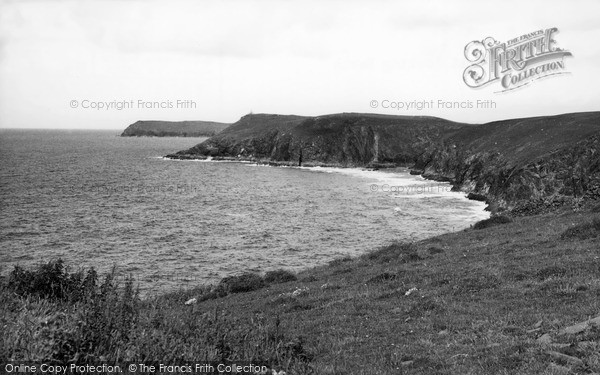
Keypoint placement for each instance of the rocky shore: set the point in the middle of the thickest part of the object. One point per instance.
(510, 295)
(522, 166)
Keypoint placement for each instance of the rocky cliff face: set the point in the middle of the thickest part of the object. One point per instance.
(523, 165)
(343, 140)
(174, 129)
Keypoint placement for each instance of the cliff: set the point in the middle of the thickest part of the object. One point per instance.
(526, 165)
(347, 140)
(173, 129)
(523, 165)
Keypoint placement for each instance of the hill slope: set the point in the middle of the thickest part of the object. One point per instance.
(507, 299)
(348, 139)
(524, 165)
(174, 129)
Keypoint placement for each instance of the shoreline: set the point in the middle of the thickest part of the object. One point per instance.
(277, 163)
(502, 295)
(312, 167)
(409, 167)
(190, 281)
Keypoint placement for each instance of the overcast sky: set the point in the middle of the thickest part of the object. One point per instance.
(289, 57)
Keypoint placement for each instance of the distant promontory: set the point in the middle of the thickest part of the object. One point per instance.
(174, 129)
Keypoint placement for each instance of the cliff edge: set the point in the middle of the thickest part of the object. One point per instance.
(174, 129)
(523, 165)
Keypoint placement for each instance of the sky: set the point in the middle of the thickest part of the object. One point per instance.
(87, 64)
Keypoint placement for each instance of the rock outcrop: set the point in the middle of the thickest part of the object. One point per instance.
(174, 129)
(523, 165)
(346, 140)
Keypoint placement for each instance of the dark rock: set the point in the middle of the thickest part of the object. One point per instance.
(476, 197)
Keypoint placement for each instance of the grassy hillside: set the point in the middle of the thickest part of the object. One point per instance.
(523, 165)
(347, 139)
(517, 140)
(524, 140)
(255, 125)
(512, 295)
(174, 129)
(502, 299)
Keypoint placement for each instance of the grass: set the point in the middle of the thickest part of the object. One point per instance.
(279, 276)
(494, 220)
(246, 282)
(583, 231)
(478, 302)
(174, 129)
(53, 281)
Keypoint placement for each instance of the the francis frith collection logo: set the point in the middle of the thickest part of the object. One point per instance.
(514, 63)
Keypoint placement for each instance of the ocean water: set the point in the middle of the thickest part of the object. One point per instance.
(96, 199)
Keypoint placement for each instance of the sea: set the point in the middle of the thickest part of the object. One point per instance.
(95, 199)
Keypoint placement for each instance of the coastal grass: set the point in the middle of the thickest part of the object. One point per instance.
(583, 231)
(494, 220)
(470, 302)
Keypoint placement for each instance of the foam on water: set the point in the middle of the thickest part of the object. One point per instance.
(391, 178)
(403, 185)
(110, 200)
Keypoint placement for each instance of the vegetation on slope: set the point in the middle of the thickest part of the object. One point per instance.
(174, 129)
(525, 165)
(529, 165)
(347, 139)
(505, 299)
